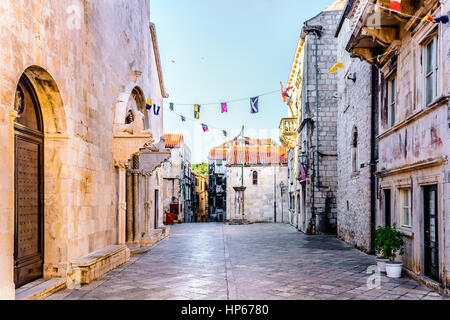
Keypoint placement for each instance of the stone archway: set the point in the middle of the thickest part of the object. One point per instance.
(56, 169)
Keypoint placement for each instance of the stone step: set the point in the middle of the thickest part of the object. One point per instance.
(140, 251)
(40, 288)
(133, 247)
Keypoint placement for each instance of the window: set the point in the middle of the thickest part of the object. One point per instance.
(431, 54)
(405, 207)
(392, 100)
(255, 177)
(354, 150)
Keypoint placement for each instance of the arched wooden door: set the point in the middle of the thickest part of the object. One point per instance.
(28, 186)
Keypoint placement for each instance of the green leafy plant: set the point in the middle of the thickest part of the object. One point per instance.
(389, 241)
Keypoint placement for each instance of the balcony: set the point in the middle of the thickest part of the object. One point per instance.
(376, 33)
(288, 132)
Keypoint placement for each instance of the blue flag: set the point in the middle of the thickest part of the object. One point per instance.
(171, 106)
(156, 111)
(254, 105)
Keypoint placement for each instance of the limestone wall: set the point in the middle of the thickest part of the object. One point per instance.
(84, 54)
(321, 201)
(354, 114)
(259, 198)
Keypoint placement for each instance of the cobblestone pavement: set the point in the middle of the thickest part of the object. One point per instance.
(258, 261)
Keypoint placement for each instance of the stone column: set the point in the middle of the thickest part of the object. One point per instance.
(136, 236)
(122, 205)
(129, 207)
(147, 204)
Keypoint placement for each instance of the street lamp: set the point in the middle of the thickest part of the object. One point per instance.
(303, 157)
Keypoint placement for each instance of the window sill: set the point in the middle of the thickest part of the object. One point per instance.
(354, 174)
(407, 232)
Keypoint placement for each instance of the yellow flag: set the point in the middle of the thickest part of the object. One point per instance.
(334, 68)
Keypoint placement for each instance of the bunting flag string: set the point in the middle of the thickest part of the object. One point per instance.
(395, 6)
(254, 108)
(226, 102)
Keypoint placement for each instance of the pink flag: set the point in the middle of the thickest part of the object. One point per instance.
(204, 127)
(224, 107)
(183, 118)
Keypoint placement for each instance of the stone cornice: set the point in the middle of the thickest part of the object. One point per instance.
(158, 60)
(415, 116)
(412, 166)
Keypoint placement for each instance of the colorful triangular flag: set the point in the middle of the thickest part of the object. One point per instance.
(441, 19)
(224, 107)
(149, 104)
(183, 118)
(335, 67)
(204, 127)
(197, 111)
(254, 105)
(427, 18)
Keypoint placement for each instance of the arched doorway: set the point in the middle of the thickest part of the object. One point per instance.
(28, 185)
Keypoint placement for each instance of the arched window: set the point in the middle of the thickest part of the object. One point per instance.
(255, 177)
(354, 150)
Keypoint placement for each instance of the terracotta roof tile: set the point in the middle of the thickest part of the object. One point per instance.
(173, 140)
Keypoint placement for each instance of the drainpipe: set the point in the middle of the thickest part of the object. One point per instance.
(373, 114)
(316, 31)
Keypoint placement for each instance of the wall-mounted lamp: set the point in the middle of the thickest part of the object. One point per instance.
(352, 76)
(303, 157)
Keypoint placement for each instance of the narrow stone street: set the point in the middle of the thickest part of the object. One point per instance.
(258, 261)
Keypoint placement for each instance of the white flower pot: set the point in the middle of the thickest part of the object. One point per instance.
(381, 263)
(394, 269)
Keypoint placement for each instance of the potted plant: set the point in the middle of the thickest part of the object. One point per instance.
(389, 241)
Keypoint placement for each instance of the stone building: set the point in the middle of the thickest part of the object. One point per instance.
(201, 197)
(75, 81)
(217, 190)
(177, 179)
(357, 127)
(314, 103)
(413, 185)
(262, 169)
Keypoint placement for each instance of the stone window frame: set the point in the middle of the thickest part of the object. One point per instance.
(255, 177)
(392, 98)
(401, 207)
(434, 73)
(422, 37)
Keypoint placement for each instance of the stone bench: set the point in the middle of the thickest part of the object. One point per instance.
(96, 264)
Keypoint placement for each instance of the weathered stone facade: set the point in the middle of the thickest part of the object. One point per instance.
(318, 191)
(413, 189)
(84, 60)
(177, 179)
(354, 146)
(262, 201)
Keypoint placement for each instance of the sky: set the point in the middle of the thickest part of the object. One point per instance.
(215, 51)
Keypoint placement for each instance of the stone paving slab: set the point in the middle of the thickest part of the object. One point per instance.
(258, 261)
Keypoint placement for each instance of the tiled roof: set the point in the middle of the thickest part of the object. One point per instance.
(217, 154)
(258, 155)
(173, 140)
